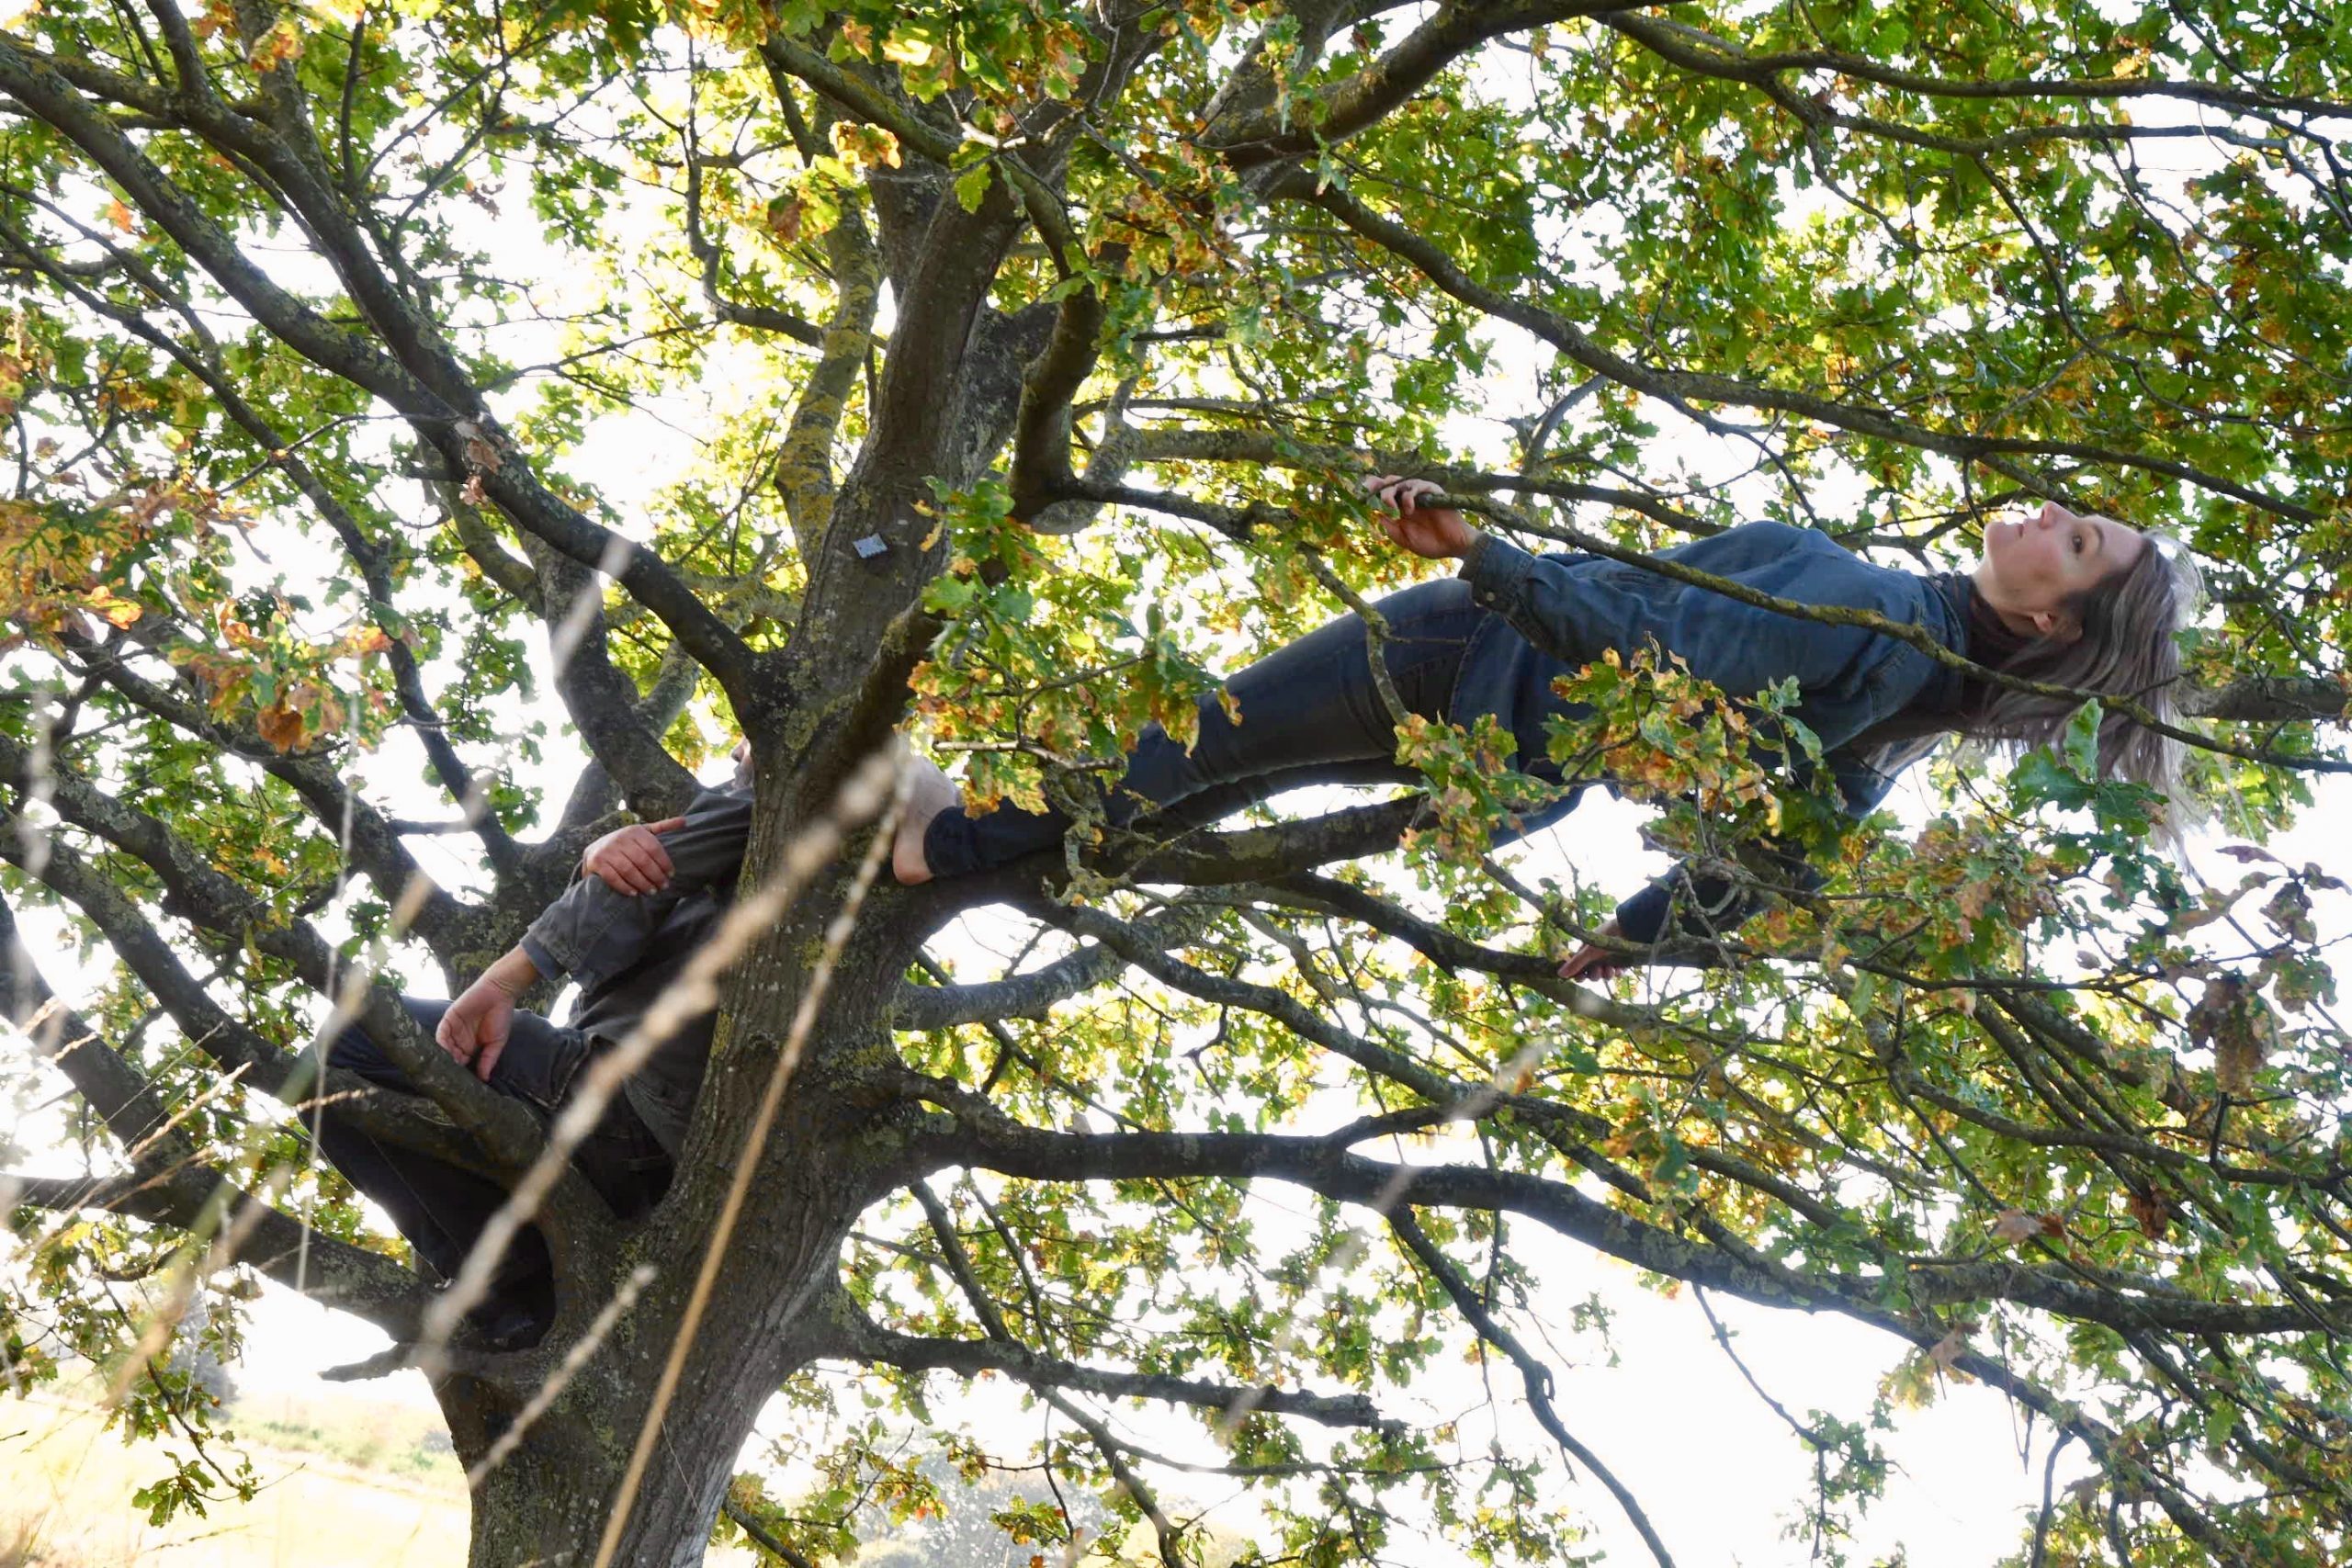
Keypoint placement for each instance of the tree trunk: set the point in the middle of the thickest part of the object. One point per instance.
(548, 1503)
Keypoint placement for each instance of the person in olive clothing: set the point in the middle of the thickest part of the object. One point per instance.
(646, 898)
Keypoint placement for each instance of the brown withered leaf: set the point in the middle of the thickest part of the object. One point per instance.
(2016, 1225)
(282, 727)
(2289, 912)
(2237, 1024)
(1948, 1350)
(786, 214)
(2151, 1211)
(482, 455)
(471, 493)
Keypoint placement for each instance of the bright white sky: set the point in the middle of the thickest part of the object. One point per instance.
(1715, 1467)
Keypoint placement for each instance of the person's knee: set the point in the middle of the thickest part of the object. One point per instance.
(356, 1051)
(1438, 600)
(353, 1050)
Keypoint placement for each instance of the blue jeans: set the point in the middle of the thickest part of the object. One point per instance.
(1310, 715)
(441, 1208)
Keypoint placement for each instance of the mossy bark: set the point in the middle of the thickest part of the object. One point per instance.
(765, 1318)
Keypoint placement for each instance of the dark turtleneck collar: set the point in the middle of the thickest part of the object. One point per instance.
(1990, 642)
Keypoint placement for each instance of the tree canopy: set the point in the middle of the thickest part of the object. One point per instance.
(1012, 367)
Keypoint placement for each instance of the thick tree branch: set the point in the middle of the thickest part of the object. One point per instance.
(2273, 699)
(1347, 107)
(862, 629)
(1040, 471)
(650, 579)
(1277, 449)
(1202, 859)
(1690, 48)
(1325, 1166)
(804, 469)
(601, 701)
(196, 1198)
(186, 59)
(110, 1086)
(500, 565)
(227, 1040)
(969, 1357)
(593, 792)
(1697, 49)
(1032, 995)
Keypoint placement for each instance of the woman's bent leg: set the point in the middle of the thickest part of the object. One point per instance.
(1310, 705)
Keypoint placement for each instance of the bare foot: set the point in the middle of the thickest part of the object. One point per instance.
(933, 793)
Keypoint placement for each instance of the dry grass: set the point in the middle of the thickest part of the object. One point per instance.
(66, 1502)
(347, 1482)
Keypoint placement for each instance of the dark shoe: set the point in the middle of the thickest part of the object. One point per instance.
(512, 1316)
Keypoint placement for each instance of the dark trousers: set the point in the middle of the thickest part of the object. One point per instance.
(1310, 715)
(439, 1207)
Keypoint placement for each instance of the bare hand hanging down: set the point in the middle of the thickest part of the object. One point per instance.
(475, 1029)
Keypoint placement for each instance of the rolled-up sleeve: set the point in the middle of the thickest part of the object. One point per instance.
(593, 932)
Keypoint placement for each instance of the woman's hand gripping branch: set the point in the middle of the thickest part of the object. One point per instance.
(1434, 532)
(1593, 962)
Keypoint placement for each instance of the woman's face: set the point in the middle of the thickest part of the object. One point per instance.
(2034, 565)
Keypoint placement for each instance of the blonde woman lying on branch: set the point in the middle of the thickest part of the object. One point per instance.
(2083, 602)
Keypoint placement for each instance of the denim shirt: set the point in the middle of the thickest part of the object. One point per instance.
(1556, 614)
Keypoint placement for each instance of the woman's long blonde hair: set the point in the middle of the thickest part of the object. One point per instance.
(2128, 647)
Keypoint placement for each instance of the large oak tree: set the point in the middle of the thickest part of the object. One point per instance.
(1028, 353)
